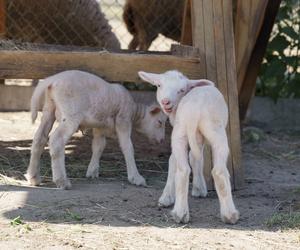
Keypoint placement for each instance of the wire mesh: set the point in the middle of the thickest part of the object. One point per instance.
(111, 24)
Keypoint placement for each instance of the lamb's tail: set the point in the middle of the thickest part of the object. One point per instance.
(36, 99)
(192, 139)
(128, 18)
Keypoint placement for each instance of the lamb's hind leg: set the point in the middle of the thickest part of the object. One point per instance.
(197, 164)
(38, 144)
(180, 211)
(218, 141)
(57, 142)
(98, 145)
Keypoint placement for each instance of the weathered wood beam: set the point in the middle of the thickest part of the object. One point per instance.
(248, 85)
(15, 98)
(2, 25)
(186, 30)
(111, 66)
(2, 18)
(212, 27)
(248, 22)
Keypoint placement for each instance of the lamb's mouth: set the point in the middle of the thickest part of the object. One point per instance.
(169, 110)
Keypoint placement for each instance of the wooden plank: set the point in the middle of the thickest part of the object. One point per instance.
(234, 122)
(186, 31)
(111, 66)
(2, 25)
(212, 27)
(221, 69)
(248, 85)
(2, 18)
(185, 51)
(209, 39)
(198, 32)
(242, 27)
(15, 98)
(249, 19)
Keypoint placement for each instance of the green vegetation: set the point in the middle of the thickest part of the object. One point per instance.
(73, 216)
(284, 220)
(280, 71)
(18, 222)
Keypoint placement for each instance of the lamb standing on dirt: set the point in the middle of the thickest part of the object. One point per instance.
(196, 113)
(146, 19)
(79, 100)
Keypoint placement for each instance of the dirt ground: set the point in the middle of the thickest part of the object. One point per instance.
(109, 213)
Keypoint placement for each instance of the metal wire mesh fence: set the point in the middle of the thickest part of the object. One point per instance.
(111, 24)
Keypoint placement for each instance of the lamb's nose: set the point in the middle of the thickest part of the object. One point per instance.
(165, 101)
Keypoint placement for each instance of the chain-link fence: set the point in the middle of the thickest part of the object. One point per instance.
(112, 24)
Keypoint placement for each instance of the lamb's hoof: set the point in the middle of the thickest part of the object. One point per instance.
(64, 184)
(181, 217)
(92, 174)
(33, 180)
(137, 180)
(199, 192)
(166, 200)
(231, 218)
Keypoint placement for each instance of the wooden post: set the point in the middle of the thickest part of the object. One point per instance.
(2, 25)
(2, 18)
(186, 30)
(248, 82)
(212, 28)
(248, 22)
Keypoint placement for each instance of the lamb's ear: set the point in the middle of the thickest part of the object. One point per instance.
(154, 109)
(199, 83)
(152, 78)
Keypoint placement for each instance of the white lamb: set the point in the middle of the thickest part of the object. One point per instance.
(197, 111)
(80, 100)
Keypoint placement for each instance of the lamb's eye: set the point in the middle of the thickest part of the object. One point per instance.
(180, 91)
(158, 85)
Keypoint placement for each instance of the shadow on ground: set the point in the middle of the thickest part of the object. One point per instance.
(271, 180)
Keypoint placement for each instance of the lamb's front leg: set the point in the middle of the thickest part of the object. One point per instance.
(124, 133)
(98, 145)
(168, 196)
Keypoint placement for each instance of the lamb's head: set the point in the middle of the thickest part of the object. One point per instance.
(171, 87)
(153, 123)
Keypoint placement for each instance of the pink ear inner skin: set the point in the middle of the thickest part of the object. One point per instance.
(200, 84)
(197, 84)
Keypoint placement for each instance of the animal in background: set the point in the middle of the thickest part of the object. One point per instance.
(145, 20)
